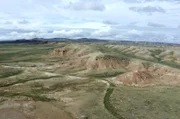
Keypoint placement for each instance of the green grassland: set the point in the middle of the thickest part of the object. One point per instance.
(158, 102)
(28, 72)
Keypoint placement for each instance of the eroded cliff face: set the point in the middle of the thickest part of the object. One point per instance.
(155, 74)
(136, 72)
(89, 58)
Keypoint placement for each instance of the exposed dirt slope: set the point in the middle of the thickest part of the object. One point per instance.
(106, 62)
(152, 75)
(72, 50)
(82, 55)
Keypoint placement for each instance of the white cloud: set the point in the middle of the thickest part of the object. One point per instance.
(108, 19)
(135, 32)
(152, 24)
(87, 5)
(23, 22)
(148, 9)
(67, 33)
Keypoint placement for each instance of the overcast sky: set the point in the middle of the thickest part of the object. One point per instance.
(135, 20)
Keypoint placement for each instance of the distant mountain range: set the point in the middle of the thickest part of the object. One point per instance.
(44, 41)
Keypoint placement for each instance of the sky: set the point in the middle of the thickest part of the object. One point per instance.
(133, 20)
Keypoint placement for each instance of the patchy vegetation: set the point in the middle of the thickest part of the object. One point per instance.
(7, 72)
(147, 102)
(90, 80)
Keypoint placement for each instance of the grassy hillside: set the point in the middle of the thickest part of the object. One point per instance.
(90, 81)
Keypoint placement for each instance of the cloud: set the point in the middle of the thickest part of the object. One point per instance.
(132, 1)
(110, 33)
(73, 33)
(148, 9)
(16, 35)
(135, 32)
(150, 37)
(8, 23)
(178, 26)
(6, 31)
(110, 22)
(23, 22)
(64, 33)
(145, 1)
(106, 19)
(151, 24)
(104, 33)
(85, 5)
